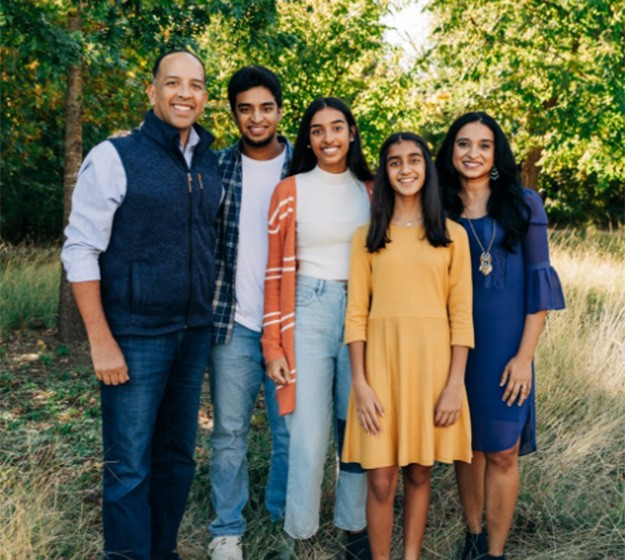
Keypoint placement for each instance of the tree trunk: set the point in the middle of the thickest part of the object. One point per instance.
(530, 172)
(71, 328)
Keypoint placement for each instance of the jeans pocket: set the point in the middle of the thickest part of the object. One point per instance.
(304, 296)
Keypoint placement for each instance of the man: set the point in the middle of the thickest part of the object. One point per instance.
(251, 168)
(140, 256)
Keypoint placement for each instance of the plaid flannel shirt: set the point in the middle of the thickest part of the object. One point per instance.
(227, 226)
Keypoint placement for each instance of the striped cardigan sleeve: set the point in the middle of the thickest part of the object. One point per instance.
(278, 338)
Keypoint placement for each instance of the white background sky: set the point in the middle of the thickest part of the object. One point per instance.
(412, 26)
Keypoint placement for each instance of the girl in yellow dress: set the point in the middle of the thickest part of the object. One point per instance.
(409, 328)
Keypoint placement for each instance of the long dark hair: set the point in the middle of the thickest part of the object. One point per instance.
(383, 202)
(506, 203)
(303, 157)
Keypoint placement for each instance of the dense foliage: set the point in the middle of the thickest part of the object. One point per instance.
(550, 71)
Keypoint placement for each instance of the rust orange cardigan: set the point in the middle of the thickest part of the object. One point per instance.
(278, 338)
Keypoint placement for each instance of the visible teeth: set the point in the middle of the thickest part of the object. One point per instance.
(330, 151)
(182, 108)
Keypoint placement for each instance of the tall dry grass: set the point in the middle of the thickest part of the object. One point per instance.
(572, 502)
(29, 285)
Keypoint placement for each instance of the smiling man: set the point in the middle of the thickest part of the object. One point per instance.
(251, 169)
(140, 256)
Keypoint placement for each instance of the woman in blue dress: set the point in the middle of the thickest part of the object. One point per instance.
(513, 287)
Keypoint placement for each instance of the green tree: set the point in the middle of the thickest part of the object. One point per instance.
(88, 50)
(90, 62)
(552, 73)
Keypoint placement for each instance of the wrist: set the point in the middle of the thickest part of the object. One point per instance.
(524, 356)
(453, 385)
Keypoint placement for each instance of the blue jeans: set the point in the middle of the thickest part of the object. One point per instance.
(322, 390)
(237, 373)
(149, 426)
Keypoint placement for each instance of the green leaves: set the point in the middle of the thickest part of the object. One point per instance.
(552, 74)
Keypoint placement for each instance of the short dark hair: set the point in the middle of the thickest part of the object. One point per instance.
(303, 157)
(250, 77)
(506, 203)
(383, 201)
(157, 64)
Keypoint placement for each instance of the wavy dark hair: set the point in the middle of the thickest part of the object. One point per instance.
(303, 157)
(506, 203)
(383, 202)
(250, 77)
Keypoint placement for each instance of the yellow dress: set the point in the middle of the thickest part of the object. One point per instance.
(410, 302)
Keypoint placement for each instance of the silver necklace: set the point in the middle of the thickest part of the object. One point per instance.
(486, 259)
(408, 223)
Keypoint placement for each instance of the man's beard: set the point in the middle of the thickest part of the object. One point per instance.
(258, 143)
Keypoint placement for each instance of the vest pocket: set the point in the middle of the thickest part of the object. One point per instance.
(158, 289)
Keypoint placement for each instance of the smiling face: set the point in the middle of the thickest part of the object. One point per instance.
(257, 116)
(178, 93)
(329, 138)
(474, 152)
(406, 169)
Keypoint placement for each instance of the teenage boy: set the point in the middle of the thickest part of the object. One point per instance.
(250, 169)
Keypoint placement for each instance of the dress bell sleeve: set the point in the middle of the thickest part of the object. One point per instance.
(543, 288)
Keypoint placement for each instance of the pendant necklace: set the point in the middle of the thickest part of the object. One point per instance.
(486, 259)
(407, 223)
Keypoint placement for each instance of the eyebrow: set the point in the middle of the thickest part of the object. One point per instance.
(174, 77)
(263, 104)
(410, 155)
(480, 140)
(333, 122)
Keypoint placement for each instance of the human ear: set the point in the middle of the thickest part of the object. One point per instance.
(151, 91)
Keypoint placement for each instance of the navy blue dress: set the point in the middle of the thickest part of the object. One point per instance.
(520, 283)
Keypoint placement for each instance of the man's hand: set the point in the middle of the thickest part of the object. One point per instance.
(109, 362)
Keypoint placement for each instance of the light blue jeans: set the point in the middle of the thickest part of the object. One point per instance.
(237, 373)
(322, 391)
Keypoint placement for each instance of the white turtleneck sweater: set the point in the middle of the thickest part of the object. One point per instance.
(330, 206)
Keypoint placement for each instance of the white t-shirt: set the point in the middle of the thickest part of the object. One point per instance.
(258, 182)
(330, 206)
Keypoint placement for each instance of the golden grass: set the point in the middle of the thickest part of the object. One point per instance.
(572, 502)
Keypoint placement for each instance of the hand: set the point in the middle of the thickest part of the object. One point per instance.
(448, 407)
(278, 371)
(517, 377)
(109, 362)
(368, 408)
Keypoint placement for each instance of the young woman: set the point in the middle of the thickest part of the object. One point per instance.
(409, 329)
(513, 286)
(313, 214)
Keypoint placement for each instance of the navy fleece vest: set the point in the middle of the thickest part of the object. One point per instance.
(157, 274)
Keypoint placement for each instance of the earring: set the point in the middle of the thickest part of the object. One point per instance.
(494, 173)
(308, 146)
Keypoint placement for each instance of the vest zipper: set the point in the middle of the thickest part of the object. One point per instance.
(190, 237)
